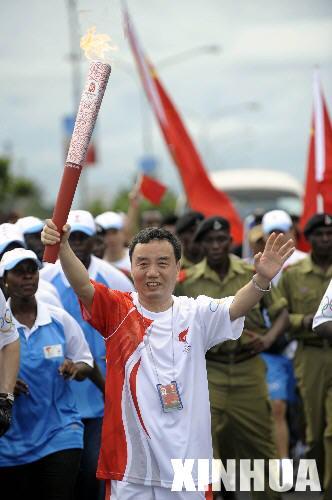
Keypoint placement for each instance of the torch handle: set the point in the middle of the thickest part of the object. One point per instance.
(62, 207)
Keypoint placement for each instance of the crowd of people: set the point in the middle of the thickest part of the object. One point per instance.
(138, 347)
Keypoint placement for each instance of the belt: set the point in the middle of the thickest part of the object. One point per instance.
(322, 344)
(231, 358)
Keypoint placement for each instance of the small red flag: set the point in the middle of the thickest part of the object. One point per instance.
(152, 189)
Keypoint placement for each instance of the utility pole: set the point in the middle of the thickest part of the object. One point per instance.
(76, 75)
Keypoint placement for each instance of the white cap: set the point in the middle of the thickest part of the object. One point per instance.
(276, 220)
(110, 220)
(10, 233)
(82, 220)
(30, 224)
(10, 259)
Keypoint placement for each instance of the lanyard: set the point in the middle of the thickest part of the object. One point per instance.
(148, 334)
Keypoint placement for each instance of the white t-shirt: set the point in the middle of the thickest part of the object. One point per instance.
(139, 438)
(8, 332)
(324, 311)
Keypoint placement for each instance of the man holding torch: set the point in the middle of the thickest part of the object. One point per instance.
(156, 400)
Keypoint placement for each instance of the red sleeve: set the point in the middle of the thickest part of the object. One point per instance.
(108, 309)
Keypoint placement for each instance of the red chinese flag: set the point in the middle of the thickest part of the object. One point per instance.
(318, 184)
(201, 193)
(152, 189)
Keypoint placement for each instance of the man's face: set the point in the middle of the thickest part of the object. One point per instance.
(114, 238)
(151, 218)
(216, 246)
(154, 270)
(22, 281)
(82, 245)
(321, 241)
(34, 243)
(191, 249)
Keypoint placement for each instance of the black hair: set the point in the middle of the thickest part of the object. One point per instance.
(155, 233)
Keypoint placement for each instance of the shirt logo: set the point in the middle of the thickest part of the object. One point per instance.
(6, 322)
(183, 338)
(183, 335)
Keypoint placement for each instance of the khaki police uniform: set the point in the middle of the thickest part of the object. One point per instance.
(242, 425)
(303, 286)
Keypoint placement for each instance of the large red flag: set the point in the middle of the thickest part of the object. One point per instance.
(201, 194)
(318, 188)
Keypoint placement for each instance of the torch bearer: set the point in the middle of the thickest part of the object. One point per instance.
(91, 98)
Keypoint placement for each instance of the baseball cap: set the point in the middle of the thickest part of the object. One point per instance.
(10, 233)
(29, 225)
(318, 220)
(82, 220)
(276, 220)
(10, 259)
(215, 223)
(110, 220)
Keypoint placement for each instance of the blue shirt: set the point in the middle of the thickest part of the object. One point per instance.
(89, 398)
(46, 420)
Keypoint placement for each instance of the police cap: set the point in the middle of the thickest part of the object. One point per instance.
(215, 223)
(318, 220)
(187, 221)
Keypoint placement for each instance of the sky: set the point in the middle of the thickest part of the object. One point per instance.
(247, 104)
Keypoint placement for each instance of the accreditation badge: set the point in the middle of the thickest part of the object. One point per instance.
(53, 351)
(169, 397)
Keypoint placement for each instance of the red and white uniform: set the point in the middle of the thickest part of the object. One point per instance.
(139, 439)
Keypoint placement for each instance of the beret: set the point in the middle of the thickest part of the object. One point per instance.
(187, 221)
(318, 220)
(215, 223)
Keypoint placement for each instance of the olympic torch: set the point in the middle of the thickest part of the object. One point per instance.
(94, 46)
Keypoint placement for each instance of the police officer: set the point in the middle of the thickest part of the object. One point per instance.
(185, 229)
(241, 417)
(303, 286)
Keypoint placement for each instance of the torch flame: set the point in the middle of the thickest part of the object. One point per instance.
(94, 45)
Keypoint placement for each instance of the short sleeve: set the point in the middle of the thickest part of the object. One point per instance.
(8, 332)
(324, 311)
(215, 320)
(77, 348)
(108, 309)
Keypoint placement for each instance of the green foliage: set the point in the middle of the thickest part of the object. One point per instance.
(17, 193)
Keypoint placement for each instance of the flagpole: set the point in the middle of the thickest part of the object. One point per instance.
(319, 138)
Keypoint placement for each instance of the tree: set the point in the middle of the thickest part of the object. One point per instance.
(18, 193)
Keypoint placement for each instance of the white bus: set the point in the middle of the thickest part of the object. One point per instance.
(252, 189)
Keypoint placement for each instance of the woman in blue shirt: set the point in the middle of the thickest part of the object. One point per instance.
(40, 454)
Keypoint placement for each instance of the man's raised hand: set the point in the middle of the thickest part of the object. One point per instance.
(50, 234)
(275, 254)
